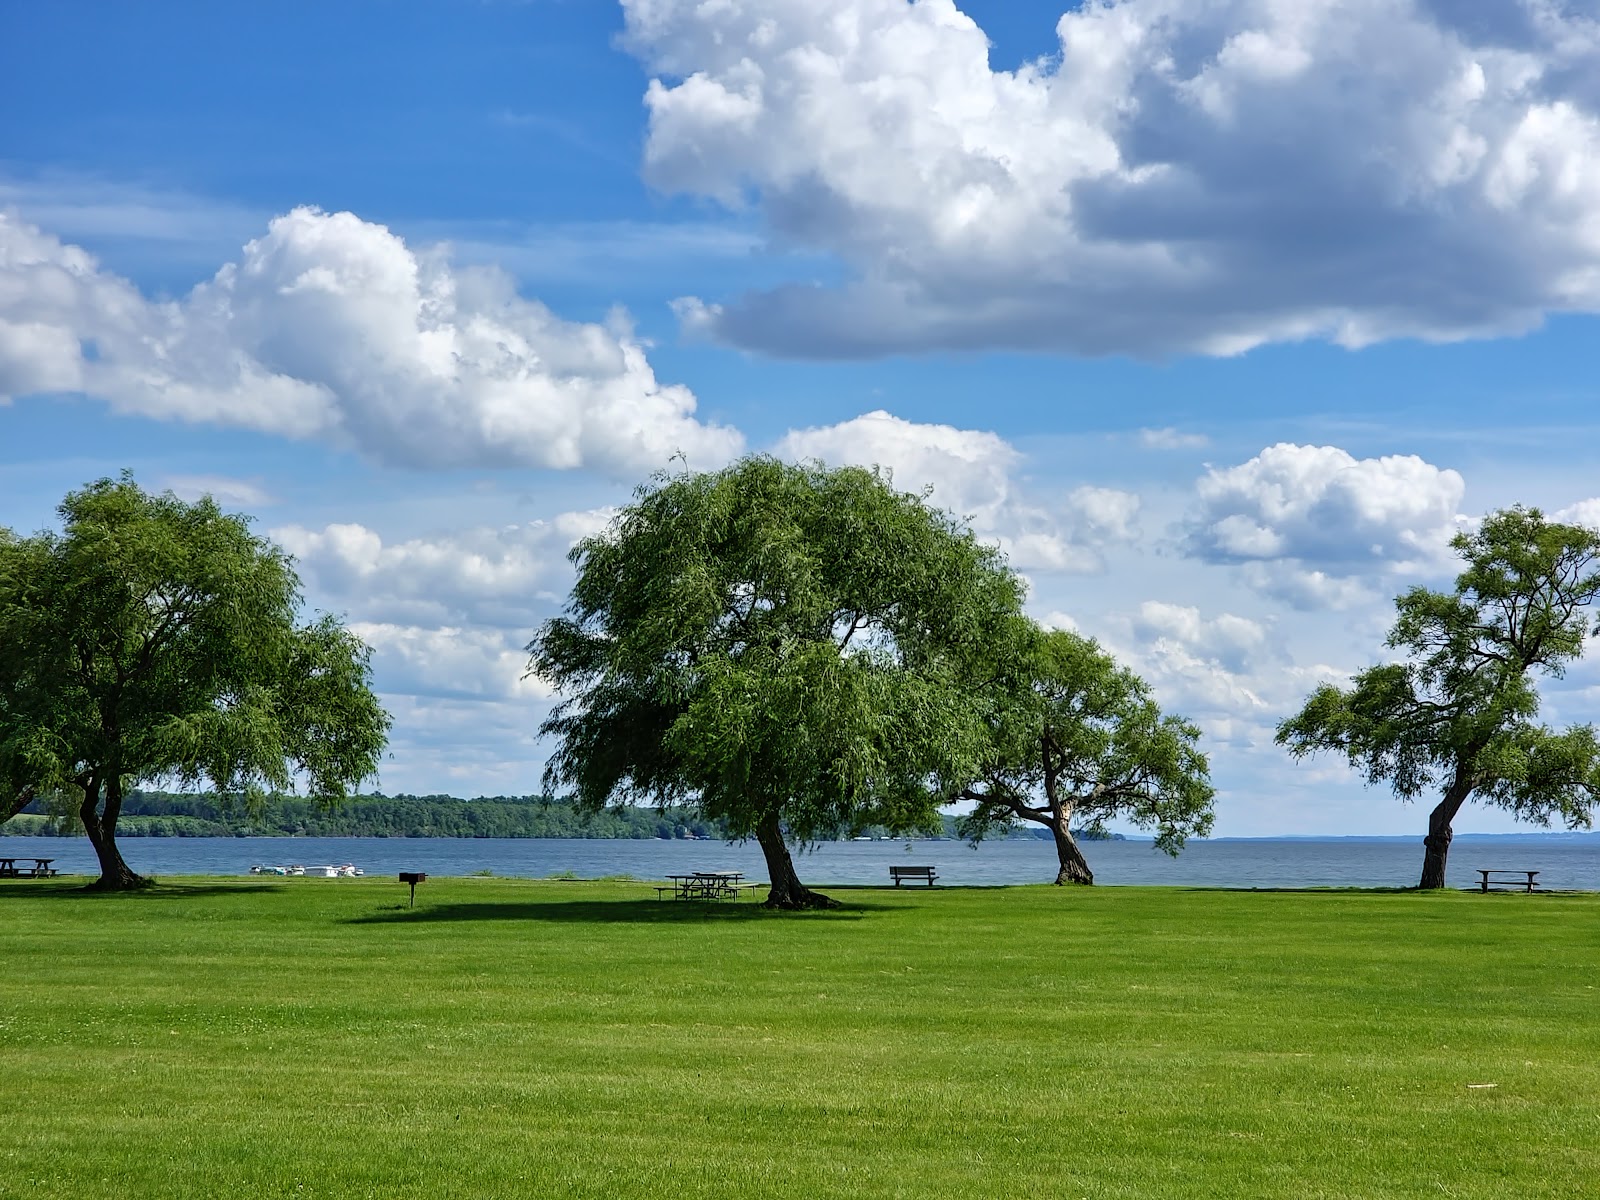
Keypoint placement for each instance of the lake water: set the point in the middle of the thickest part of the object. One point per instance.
(1251, 862)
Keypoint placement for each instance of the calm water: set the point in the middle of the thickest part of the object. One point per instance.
(1340, 862)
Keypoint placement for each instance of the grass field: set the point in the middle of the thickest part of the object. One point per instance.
(526, 1038)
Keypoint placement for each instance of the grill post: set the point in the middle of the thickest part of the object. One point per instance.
(413, 878)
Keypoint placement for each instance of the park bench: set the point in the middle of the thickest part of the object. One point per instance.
(1491, 877)
(899, 873)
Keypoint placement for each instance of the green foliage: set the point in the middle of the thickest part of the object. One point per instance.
(162, 814)
(1458, 712)
(1077, 737)
(157, 639)
(774, 641)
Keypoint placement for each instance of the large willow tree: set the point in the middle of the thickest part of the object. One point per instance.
(1457, 715)
(153, 639)
(1077, 738)
(783, 647)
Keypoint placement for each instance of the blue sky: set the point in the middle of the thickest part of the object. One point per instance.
(1220, 319)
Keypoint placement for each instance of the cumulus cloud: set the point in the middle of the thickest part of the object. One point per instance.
(332, 327)
(973, 473)
(462, 745)
(1312, 524)
(1584, 512)
(453, 662)
(1056, 619)
(1198, 665)
(1176, 177)
(1235, 642)
(496, 578)
(448, 615)
(1231, 674)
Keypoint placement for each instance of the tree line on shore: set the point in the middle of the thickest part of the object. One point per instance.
(169, 814)
(790, 653)
(165, 814)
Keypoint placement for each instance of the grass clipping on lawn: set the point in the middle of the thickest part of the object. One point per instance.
(522, 1038)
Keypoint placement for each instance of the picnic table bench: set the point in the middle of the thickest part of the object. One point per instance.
(1495, 877)
(899, 873)
(40, 868)
(706, 885)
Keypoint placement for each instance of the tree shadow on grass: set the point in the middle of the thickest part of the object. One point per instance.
(607, 912)
(1309, 890)
(74, 889)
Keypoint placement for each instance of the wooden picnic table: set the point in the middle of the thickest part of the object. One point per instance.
(705, 885)
(40, 868)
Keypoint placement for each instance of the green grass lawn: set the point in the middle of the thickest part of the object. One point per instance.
(523, 1038)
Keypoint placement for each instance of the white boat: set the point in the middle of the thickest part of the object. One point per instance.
(322, 872)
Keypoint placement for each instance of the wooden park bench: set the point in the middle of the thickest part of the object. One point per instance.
(899, 873)
(1492, 877)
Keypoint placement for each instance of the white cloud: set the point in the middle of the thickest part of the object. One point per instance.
(1169, 438)
(462, 745)
(1584, 512)
(1235, 642)
(447, 615)
(973, 473)
(500, 578)
(225, 490)
(332, 327)
(448, 662)
(1306, 588)
(1056, 619)
(1179, 176)
(1232, 675)
(1313, 524)
(1202, 668)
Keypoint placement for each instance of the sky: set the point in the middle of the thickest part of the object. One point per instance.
(1220, 319)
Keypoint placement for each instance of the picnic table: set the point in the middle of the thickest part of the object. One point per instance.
(705, 885)
(38, 868)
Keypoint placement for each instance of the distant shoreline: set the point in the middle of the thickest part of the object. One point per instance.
(150, 814)
(1553, 835)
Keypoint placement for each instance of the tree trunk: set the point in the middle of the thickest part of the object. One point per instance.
(1074, 867)
(115, 875)
(1437, 844)
(787, 891)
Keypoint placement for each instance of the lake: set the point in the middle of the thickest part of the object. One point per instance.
(1226, 862)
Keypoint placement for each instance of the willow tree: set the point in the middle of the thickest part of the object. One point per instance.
(1457, 715)
(153, 639)
(782, 647)
(1077, 738)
